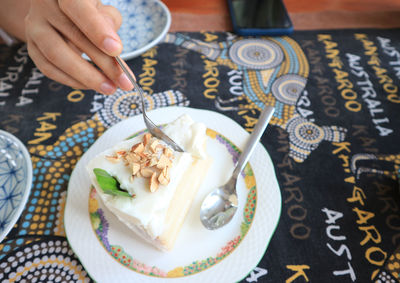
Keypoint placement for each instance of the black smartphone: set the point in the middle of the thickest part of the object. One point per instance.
(260, 17)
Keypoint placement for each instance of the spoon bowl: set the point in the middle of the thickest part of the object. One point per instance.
(220, 205)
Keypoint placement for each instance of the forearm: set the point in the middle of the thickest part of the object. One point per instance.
(12, 15)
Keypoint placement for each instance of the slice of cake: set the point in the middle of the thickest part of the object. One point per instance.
(149, 186)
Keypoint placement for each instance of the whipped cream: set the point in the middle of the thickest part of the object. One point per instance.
(148, 210)
(188, 134)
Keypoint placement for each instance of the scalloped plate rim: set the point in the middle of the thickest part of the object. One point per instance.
(95, 266)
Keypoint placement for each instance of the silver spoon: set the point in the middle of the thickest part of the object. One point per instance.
(220, 205)
(153, 129)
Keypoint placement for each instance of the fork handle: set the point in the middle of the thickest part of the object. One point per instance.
(153, 129)
(125, 69)
(127, 72)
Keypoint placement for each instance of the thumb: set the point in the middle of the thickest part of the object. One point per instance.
(87, 16)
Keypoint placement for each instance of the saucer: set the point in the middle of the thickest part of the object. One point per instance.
(15, 180)
(144, 24)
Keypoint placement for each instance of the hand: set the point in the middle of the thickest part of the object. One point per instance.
(58, 32)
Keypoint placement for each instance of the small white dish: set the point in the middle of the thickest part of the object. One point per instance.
(15, 180)
(144, 24)
(110, 252)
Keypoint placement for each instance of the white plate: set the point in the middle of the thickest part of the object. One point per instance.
(144, 24)
(102, 243)
(15, 180)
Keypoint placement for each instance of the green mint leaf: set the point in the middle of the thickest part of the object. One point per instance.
(108, 183)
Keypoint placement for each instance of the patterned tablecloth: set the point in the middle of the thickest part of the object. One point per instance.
(334, 140)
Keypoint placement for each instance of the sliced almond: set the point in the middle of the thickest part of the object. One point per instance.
(153, 182)
(148, 159)
(146, 172)
(153, 161)
(168, 152)
(113, 159)
(163, 162)
(135, 168)
(121, 153)
(163, 178)
(144, 162)
(146, 138)
(163, 181)
(143, 156)
(138, 148)
(132, 157)
(166, 173)
(153, 145)
(160, 147)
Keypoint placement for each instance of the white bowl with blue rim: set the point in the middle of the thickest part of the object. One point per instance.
(144, 24)
(15, 180)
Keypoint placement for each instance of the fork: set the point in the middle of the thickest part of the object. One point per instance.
(151, 127)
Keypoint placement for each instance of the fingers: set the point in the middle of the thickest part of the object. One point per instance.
(111, 13)
(51, 53)
(49, 70)
(58, 35)
(74, 48)
(85, 15)
(102, 60)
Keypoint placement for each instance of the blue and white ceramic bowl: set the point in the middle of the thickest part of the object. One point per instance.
(15, 180)
(144, 24)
